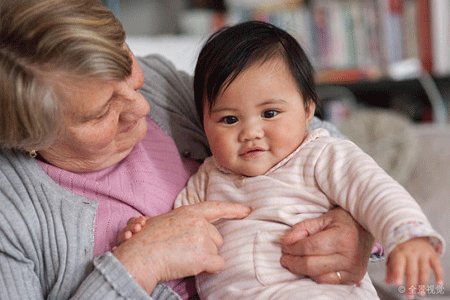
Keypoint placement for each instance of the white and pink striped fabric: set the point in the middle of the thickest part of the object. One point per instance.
(322, 173)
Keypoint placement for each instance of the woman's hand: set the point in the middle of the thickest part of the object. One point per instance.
(134, 225)
(321, 247)
(177, 244)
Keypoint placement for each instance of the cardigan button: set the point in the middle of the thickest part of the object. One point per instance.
(186, 153)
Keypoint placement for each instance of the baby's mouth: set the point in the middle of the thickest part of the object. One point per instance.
(252, 153)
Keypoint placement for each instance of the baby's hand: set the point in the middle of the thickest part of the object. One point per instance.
(134, 225)
(414, 260)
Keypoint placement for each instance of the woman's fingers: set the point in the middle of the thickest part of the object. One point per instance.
(213, 211)
(214, 235)
(208, 212)
(178, 244)
(311, 266)
(321, 269)
(333, 278)
(215, 264)
(332, 243)
(318, 244)
(304, 229)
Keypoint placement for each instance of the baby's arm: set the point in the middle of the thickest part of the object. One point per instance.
(386, 209)
(413, 260)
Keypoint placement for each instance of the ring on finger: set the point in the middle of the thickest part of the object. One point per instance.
(338, 274)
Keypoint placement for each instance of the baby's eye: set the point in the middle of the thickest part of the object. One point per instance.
(269, 113)
(229, 120)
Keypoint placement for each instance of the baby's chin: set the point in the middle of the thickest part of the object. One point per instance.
(252, 172)
(246, 168)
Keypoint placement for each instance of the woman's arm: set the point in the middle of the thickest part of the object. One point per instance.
(136, 267)
(46, 242)
(109, 279)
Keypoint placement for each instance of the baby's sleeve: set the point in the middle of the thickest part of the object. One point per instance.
(414, 229)
(380, 204)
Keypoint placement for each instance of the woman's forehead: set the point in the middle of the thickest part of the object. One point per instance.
(84, 96)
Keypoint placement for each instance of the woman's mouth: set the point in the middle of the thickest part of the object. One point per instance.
(131, 127)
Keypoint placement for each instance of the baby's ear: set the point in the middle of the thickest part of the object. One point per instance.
(310, 110)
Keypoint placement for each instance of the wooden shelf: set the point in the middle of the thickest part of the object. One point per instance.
(406, 96)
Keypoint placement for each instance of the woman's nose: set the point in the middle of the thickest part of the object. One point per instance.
(136, 107)
(251, 132)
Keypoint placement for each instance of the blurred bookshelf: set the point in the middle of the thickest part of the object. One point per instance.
(347, 40)
(384, 49)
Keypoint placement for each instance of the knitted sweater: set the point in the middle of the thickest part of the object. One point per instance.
(145, 183)
(47, 232)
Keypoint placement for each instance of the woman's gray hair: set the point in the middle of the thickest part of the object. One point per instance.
(43, 42)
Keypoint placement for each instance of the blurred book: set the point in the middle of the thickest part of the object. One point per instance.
(440, 36)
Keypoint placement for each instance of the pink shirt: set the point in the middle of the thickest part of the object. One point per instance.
(146, 183)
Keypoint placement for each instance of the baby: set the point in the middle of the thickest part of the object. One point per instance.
(254, 90)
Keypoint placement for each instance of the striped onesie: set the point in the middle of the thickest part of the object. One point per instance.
(322, 173)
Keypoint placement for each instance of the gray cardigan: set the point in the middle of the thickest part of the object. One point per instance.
(47, 232)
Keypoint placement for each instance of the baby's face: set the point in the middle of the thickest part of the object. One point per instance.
(258, 120)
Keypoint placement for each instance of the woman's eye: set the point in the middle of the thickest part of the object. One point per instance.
(229, 120)
(103, 115)
(269, 113)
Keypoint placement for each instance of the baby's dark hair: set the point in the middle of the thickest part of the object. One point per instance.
(231, 50)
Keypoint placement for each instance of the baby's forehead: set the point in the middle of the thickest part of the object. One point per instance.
(276, 60)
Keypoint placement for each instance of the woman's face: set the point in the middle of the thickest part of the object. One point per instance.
(104, 120)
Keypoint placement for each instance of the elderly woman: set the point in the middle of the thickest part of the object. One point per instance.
(81, 154)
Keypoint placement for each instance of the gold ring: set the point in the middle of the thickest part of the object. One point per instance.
(339, 276)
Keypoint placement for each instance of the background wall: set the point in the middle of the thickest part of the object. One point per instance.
(150, 17)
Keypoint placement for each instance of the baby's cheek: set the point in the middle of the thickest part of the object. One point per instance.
(220, 146)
